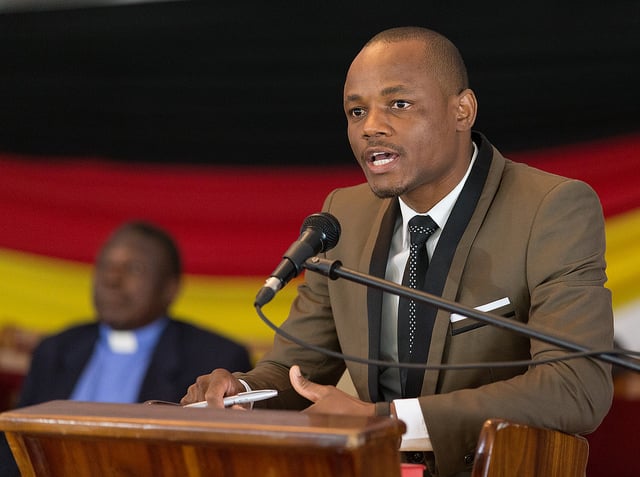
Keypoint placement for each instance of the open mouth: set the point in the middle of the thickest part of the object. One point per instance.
(381, 158)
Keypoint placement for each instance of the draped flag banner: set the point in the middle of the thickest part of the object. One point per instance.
(232, 225)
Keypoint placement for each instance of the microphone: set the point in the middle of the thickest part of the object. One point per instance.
(319, 233)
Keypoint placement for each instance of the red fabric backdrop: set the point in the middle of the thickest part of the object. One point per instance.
(228, 221)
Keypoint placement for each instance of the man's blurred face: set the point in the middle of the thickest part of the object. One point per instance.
(132, 286)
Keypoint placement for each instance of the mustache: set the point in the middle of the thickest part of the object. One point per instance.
(387, 145)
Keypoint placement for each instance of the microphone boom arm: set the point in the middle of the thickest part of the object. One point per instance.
(335, 270)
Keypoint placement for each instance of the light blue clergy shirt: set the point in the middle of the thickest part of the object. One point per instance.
(119, 362)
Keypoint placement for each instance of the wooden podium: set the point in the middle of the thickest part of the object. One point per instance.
(63, 438)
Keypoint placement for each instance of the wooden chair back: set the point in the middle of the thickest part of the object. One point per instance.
(506, 449)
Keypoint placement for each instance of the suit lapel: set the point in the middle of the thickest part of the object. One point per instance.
(442, 270)
(159, 380)
(455, 245)
(75, 360)
(378, 268)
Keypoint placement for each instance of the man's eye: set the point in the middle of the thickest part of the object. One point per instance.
(135, 268)
(400, 104)
(357, 112)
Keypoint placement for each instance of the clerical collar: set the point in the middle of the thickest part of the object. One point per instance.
(130, 341)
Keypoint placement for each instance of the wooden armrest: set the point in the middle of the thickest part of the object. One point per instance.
(506, 449)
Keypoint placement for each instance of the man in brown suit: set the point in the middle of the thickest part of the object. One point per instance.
(522, 243)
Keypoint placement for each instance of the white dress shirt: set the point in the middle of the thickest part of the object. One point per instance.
(408, 410)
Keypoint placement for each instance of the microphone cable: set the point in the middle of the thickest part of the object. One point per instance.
(440, 367)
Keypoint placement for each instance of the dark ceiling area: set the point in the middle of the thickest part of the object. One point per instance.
(258, 83)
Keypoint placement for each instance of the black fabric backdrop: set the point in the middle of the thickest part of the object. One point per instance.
(258, 83)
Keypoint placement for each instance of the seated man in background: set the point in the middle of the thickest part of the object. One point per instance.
(134, 351)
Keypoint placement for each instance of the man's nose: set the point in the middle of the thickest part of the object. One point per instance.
(112, 275)
(376, 124)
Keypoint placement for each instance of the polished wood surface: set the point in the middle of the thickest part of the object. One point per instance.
(62, 438)
(507, 449)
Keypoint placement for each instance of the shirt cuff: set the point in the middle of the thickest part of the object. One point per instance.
(416, 438)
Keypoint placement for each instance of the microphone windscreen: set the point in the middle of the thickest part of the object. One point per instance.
(327, 225)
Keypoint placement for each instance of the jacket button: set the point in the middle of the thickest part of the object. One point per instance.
(468, 459)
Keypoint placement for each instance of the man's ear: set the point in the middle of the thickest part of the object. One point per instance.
(171, 290)
(467, 109)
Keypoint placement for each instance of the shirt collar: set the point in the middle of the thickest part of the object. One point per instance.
(131, 341)
(442, 210)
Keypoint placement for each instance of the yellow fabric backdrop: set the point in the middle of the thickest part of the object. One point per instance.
(46, 295)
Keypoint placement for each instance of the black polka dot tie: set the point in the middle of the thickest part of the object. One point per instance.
(421, 227)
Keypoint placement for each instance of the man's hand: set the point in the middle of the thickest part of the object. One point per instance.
(328, 399)
(213, 388)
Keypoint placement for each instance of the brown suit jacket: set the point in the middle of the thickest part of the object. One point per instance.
(533, 237)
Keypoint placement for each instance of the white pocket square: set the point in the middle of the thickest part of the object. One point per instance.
(494, 305)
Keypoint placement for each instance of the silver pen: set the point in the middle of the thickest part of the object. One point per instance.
(241, 398)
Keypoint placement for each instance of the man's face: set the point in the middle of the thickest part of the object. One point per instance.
(132, 286)
(402, 127)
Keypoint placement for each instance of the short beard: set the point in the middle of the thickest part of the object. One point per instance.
(388, 192)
